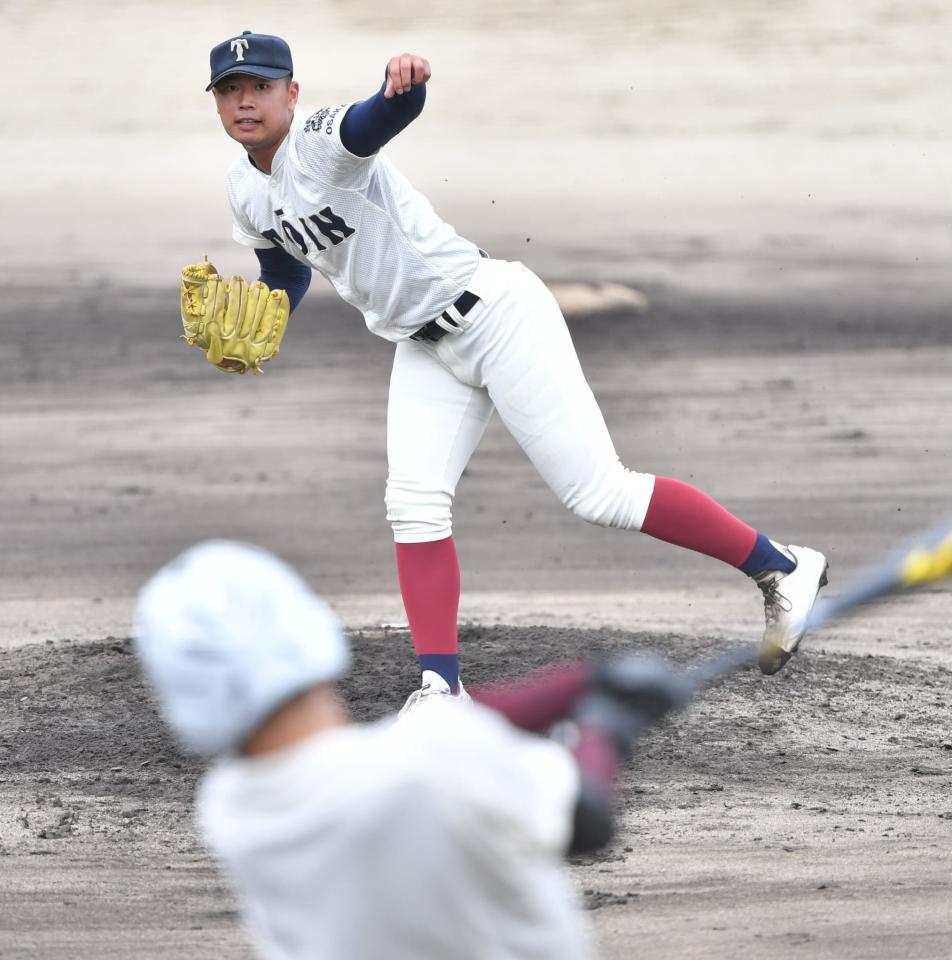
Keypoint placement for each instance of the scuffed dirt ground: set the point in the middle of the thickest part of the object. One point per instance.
(805, 815)
(767, 818)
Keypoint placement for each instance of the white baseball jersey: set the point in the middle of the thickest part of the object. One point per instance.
(356, 220)
(360, 223)
(436, 838)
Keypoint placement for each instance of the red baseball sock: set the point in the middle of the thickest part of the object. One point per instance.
(429, 583)
(681, 514)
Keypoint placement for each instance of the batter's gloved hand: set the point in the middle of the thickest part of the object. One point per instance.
(237, 325)
(630, 693)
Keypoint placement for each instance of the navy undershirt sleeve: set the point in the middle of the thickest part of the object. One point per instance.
(280, 271)
(369, 124)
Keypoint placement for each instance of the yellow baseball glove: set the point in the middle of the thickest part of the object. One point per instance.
(237, 325)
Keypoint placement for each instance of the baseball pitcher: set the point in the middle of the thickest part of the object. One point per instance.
(315, 191)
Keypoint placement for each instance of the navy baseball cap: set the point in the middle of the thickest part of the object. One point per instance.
(258, 54)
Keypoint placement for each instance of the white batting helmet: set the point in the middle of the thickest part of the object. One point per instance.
(226, 634)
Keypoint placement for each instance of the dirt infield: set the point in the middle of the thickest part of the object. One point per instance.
(805, 813)
(763, 821)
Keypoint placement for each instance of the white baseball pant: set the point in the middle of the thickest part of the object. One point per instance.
(514, 355)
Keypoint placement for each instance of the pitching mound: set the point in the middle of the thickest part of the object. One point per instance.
(830, 782)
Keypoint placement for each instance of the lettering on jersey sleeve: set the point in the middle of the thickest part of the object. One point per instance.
(322, 121)
(327, 223)
(315, 120)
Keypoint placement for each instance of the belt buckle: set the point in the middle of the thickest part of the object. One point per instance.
(430, 332)
(433, 331)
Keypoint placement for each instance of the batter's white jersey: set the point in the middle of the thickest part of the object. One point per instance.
(358, 221)
(435, 838)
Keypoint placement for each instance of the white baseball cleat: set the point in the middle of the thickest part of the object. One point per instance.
(788, 600)
(433, 689)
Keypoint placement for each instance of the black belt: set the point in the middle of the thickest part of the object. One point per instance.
(434, 330)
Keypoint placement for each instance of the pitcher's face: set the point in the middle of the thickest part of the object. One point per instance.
(254, 111)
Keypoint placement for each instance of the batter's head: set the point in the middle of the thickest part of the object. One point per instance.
(256, 54)
(227, 634)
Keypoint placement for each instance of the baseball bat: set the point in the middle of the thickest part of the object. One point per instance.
(923, 559)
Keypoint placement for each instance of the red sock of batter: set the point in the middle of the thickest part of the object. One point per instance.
(681, 514)
(429, 583)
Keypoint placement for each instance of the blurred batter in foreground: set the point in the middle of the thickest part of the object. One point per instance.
(435, 837)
